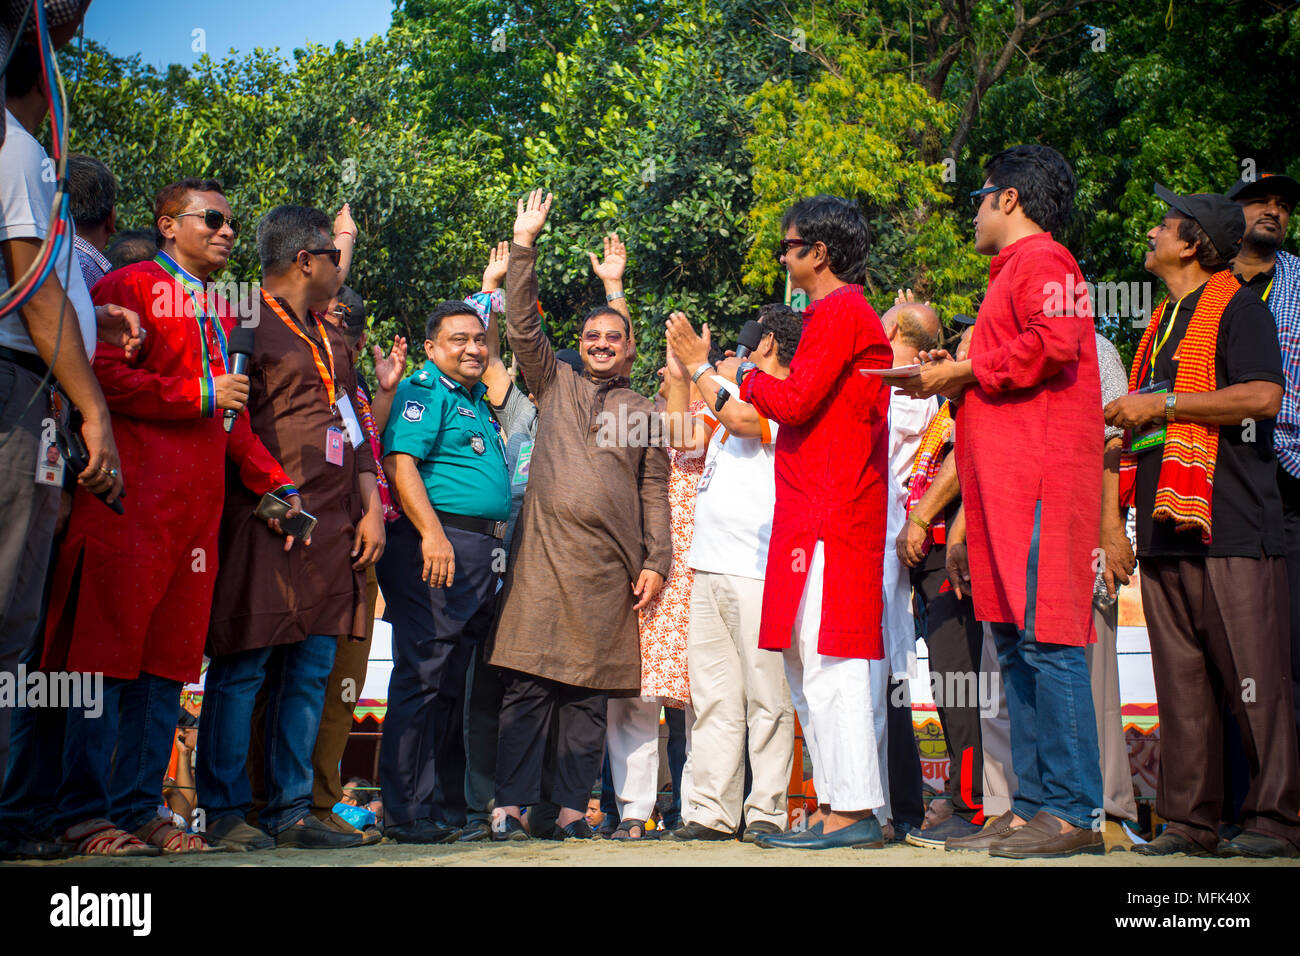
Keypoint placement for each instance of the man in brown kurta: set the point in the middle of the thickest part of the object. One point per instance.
(592, 547)
(278, 610)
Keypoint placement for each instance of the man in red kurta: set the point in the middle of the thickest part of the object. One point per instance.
(1029, 456)
(822, 601)
(131, 594)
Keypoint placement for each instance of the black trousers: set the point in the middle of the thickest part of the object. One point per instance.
(955, 641)
(1290, 488)
(435, 634)
(905, 800)
(529, 706)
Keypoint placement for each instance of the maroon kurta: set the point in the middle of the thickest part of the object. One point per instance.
(264, 595)
(832, 476)
(132, 593)
(1031, 430)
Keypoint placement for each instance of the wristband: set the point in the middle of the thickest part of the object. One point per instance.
(347, 232)
(744, 369)
(695, 377)
(1171, 401)
(923, 525)
(611, 298)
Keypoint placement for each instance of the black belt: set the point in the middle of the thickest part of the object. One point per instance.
(497, 529)
(25, 360)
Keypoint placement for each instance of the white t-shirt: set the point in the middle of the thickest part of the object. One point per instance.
(908, 419)
(26, 198)
(733, 513)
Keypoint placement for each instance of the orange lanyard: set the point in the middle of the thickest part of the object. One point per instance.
(326, 374)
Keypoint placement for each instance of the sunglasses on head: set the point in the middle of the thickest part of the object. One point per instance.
(214, 219)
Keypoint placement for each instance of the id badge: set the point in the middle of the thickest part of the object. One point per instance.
(706, 476)
(1153, 437)
(334, 445)
(521, 466)
(49, 462)
(355, 434)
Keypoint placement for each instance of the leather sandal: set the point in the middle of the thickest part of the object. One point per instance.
(624, 832)
(103, 838)
(170, 838)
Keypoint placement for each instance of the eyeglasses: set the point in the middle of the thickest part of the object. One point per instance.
(214, 219)
(334, 254)
(592, 336)
(785, 245)
(977, 195)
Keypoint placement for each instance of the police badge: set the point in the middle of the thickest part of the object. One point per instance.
(477, 444)
(413, 411)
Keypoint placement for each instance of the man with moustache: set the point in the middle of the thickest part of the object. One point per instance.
(1274, 275)
(1207, 380)
(591, 549)
(278, 611)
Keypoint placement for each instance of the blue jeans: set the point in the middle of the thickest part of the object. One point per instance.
(114, 763)
(1053, 728)
(297, 675)
(35, 765)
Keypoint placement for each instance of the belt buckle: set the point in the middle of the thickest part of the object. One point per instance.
(499, 529)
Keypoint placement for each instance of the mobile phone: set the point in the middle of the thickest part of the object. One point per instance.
(74, 451)
(271, 506)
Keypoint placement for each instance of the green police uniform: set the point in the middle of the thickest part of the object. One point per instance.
(450, 432)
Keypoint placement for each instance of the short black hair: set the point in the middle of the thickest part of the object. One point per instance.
(605, 310)
(1043, 180)
(171, 199)
(23, 71)
(354, 312)
(1207, 256)
(92, 191)
(841, 225)
(286, 230)
(444, 309)
(785, 324)
(130, 246)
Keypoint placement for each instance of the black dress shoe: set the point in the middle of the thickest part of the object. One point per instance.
(421, 831)
(762, 828)
(697, 831)
(311, 834)
(509, 828)
(232, 833)
(579, 829)
(1169, 843)
(31, 848)
(863, 835)
(1256, 845)
(474, 831)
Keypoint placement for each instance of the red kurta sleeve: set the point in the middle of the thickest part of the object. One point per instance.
(258, 469)
(1048, 342)
(132, 390)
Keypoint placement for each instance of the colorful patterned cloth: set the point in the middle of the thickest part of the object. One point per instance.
(929, 459)
(372, 433)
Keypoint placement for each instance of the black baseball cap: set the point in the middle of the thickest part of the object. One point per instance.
(1220, 217)
(1274, 183)
(961, 318)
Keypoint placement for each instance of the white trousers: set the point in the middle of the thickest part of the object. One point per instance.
(741, 699)
(834, 699)
(632, 736)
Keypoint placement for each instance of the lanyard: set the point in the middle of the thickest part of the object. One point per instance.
(197, 295)
(1267, 289)
(326, 374)
(1169, 329)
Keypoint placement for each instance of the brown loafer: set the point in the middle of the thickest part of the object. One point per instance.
(1169, 843)
(981, 841)
(1042, 837)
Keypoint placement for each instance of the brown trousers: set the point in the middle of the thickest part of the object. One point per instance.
(1219, 628)
(350, 661)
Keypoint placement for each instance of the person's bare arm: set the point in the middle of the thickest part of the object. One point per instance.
(1233, 405)
(345, 240)
(739, 418)
(388, 375)
(1116, 549)
(685, 431)
(41, 318)
(439, 557)
(610, 274)
(942, 492)
(496, 376)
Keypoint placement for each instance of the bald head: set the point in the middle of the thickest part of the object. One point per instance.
(916, 323)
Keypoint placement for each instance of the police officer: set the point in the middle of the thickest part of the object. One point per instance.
(439, 573)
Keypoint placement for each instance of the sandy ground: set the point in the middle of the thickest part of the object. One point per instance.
(651, 853)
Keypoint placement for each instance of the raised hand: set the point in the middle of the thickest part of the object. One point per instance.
(611, 270)
(691, 349)
(388, 371)
(498, 262)
(343, 222)
(531, 214)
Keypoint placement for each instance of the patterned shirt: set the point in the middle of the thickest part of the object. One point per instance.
(1281, 293)
(93, 265)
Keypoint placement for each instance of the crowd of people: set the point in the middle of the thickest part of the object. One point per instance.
(561, 558)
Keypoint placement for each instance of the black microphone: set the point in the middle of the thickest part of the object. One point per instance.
(240, 348)
(746, 342)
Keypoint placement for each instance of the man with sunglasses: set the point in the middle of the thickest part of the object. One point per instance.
(131, 594)
(279, 612)
(1029, 451)
(591, 548)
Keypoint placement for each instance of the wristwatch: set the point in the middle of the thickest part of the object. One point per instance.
(1171, 401)
(744, 369)
(706, 367)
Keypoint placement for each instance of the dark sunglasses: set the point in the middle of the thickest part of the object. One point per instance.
(785, 245)
(334, 254)
(977, 195)
(213, 219)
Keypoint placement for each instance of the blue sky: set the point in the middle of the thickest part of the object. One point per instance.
(162, 31)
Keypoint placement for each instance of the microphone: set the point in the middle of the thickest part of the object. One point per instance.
(750, 335)
(240, 347)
